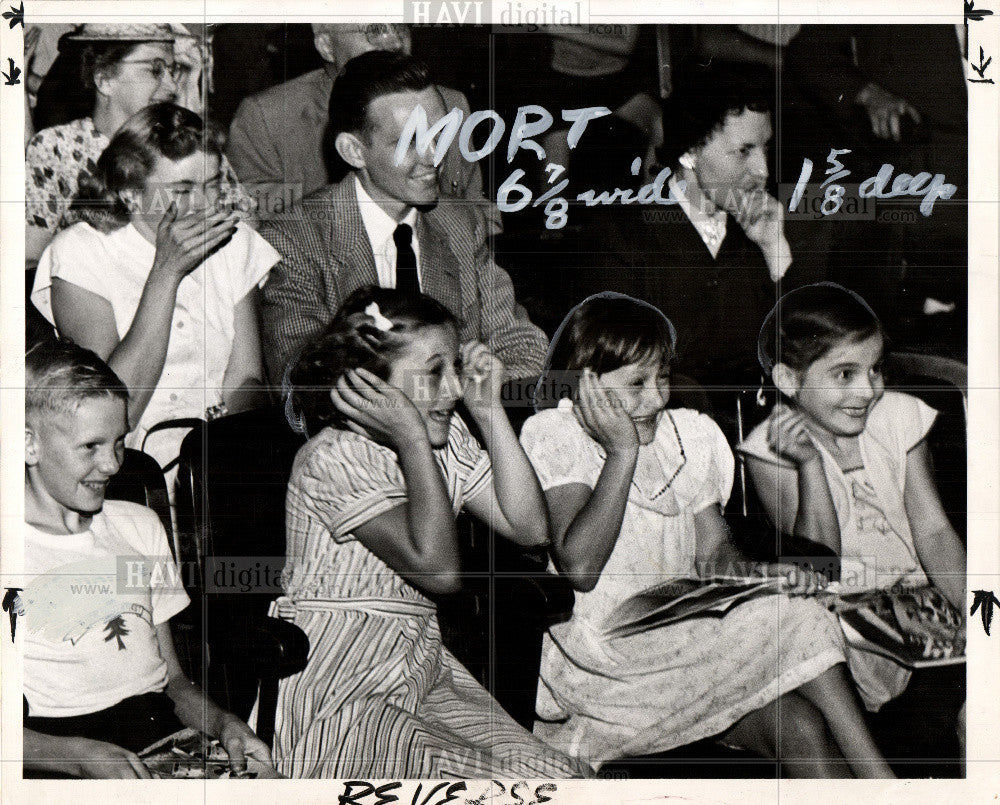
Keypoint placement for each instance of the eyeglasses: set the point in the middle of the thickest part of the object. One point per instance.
(159, 67)
(377, 32)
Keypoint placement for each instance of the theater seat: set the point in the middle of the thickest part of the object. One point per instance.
(232, 477)
(140, 480)
(496, 623)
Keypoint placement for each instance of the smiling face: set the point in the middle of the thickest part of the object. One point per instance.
(193, 182)
(734, 159)
(143, 77)
(839, 389)
(412, 183)
(427, 371)
(71, 456)
(644, 389)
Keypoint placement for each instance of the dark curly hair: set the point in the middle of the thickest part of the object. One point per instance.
(353, 341)
(159, 130)
(704, 96)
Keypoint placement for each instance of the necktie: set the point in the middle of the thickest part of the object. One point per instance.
(406, 261)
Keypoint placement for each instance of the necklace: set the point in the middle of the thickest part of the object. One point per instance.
(680, 466)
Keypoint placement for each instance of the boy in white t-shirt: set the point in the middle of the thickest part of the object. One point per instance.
(101, 678)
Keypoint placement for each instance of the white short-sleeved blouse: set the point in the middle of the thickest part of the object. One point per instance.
(687, 467)
(115, 266)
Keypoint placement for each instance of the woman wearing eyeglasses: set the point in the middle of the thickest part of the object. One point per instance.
(125, 67)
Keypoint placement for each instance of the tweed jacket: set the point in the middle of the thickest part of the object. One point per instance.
(326, 254)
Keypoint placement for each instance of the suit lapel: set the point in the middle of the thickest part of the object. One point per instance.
(439, 266)
(350, 255)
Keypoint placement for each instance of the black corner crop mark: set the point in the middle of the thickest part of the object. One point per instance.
(13, 606)
(975, 14)
(984, 62)
(985, 599)
(15, 15)
(11, 79)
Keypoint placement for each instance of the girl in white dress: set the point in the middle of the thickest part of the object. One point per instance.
(636, 493)
(844, 463)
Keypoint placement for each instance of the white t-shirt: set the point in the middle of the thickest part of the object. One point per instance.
(92, 604)
(115, 266)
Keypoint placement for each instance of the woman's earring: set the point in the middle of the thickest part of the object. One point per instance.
(687, 160)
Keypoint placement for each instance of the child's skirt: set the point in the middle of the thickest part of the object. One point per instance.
(381, 698)
(601, 699)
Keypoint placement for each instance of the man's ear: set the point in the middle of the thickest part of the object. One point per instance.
(31, 446)
(324, 46)
(350, 148)
(786, 379)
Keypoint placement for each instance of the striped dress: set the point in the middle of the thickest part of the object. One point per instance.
(380, 697)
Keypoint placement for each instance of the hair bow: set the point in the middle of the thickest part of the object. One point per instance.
(381, 322)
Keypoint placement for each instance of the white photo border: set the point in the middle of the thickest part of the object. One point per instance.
(983, 763)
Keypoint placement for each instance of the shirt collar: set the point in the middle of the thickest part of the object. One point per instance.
(378, 223)
(89, 130)
(710, 228)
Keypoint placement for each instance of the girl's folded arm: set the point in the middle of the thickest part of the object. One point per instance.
(426, 556)
(716, 553)
(778, 490)
(244, 379)
(586, 522)
(939, 548)
(798, 500)
(522, 519)
(816, 515)
(138, 358)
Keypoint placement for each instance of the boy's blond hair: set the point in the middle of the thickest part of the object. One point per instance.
(59, 375)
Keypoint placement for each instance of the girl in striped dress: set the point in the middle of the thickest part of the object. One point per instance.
(371, 513)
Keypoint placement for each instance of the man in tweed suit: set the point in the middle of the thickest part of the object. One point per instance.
(346, 235)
